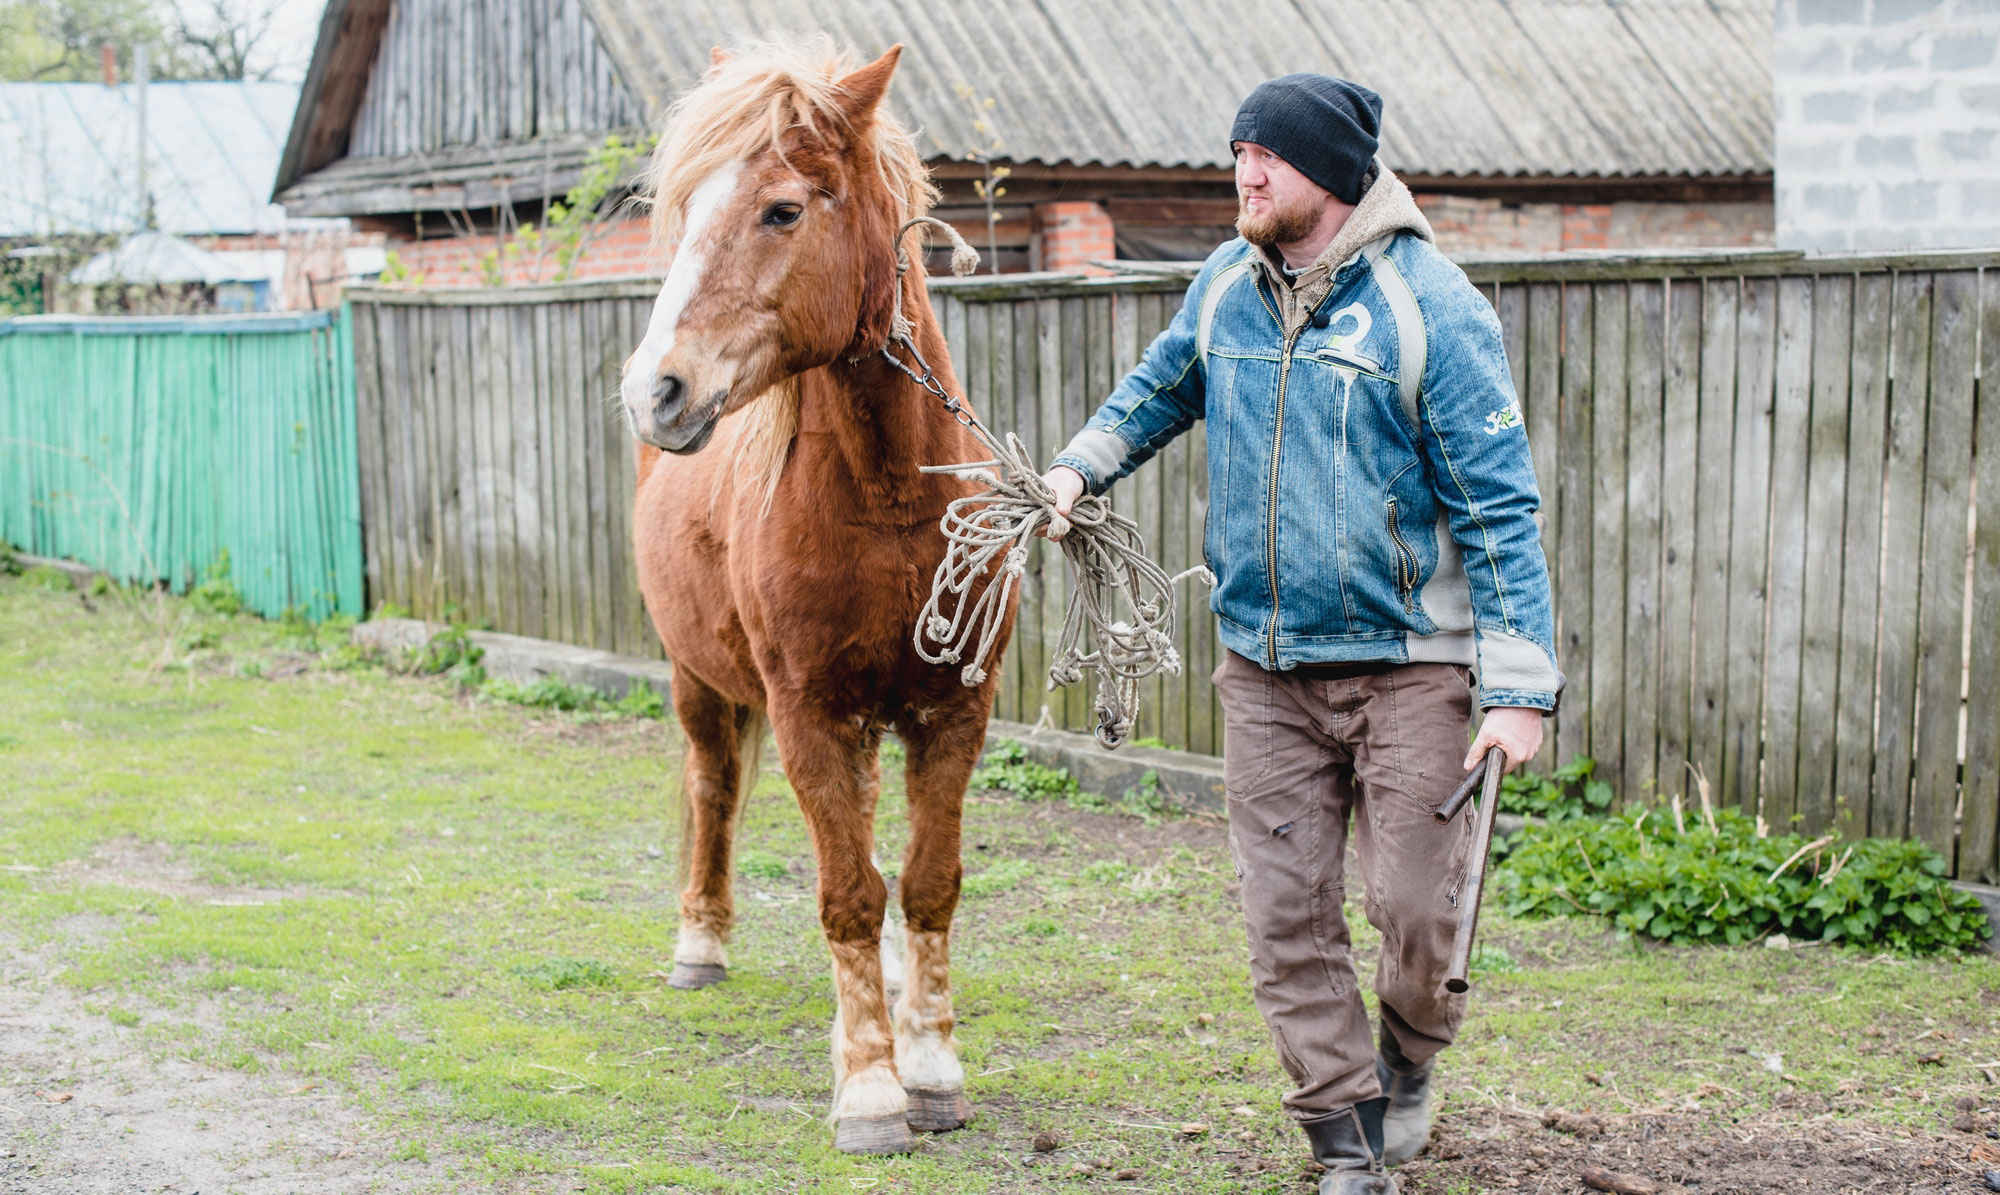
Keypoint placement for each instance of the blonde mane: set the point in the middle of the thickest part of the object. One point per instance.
(747, 103)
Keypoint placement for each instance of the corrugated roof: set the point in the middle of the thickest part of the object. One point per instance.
(161, 257)
(1606, 88)
(212, 152)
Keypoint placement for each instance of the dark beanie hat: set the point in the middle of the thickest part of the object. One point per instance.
(1325, 127)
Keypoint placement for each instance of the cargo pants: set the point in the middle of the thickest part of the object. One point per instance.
(1302, 751)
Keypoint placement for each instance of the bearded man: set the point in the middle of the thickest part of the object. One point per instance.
(1371, 520)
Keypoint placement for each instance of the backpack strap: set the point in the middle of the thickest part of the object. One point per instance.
(1218, 287)
(1409, 324)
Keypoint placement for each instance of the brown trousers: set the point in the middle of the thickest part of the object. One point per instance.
(1301, 751)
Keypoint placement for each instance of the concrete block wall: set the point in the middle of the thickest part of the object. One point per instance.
(1888, 124)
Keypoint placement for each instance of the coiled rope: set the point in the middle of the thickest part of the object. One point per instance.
(1122, 604)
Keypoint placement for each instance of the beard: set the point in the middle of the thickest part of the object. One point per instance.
(1276, 225)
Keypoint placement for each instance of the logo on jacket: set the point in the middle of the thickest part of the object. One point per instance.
(1506, 417)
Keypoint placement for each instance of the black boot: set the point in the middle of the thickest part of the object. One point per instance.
(1406, 1121)
(1349, 1144)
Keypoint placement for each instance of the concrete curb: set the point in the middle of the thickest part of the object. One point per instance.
(1185, 781)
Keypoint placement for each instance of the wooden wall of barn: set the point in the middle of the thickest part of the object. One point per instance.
(456, 73)
(1771, 505)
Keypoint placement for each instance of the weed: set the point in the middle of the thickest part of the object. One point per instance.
(46, 576)
(10, 560)
(1008, 769)
(998, 877)
(641, 701)
(1723, 881)
(563, 974)
(1569, 792)
(216, 593)
(1041, 927)
(761, 865)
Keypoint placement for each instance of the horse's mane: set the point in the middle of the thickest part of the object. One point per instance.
(747, 103)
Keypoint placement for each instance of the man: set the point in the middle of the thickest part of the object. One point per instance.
(1371, 523)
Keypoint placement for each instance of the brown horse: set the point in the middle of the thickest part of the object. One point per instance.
(785, 566)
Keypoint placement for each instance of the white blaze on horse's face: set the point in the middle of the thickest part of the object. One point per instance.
(653, 403)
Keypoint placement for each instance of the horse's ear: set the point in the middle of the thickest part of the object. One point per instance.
(863, 90)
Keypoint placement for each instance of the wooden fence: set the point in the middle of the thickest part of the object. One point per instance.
(158, 447)
(1771, 500)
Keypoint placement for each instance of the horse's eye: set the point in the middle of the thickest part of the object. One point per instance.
(782, 215)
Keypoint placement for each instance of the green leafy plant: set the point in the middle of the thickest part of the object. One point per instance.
(569, 225)
(10, 560)
(1571, 791)
(1715, 879)
(641, 701)
(1008, 768)
(449, 651)
(761, 864)
(216, 593)
(562, 974)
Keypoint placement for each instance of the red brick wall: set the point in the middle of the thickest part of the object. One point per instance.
(617, 249)
(1068, 235)
(1488, 226)
(1071, 235)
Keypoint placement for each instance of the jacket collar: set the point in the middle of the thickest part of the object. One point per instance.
(1387, 207)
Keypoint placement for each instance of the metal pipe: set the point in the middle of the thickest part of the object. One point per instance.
(1455, 977)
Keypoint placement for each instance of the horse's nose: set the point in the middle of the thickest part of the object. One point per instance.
(667, 392)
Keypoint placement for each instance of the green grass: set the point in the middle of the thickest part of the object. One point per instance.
(456, 911)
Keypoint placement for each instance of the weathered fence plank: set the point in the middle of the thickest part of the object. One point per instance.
(1979, 836)
(1860, 582)
(1679, 469)
(1821, 546)
(1645, 373)
(1941, 586)
(1573, 574)
(1902, 532)
(1790, 433)
(1756, 342)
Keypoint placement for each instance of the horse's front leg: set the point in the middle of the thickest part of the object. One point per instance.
(941, 757)
(831, 767)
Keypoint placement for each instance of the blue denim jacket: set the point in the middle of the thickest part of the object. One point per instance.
(1351, 517)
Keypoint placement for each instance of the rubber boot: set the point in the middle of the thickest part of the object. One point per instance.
(1406, 1121)
(1349, 1144)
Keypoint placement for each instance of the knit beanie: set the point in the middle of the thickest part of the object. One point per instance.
(1326, 128)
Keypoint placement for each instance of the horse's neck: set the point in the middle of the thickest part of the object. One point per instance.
(877, 426)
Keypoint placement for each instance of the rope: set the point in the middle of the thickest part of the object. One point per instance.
(1122, 601)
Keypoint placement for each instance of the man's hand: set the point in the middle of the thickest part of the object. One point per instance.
(1068, 485)
(1516, 730)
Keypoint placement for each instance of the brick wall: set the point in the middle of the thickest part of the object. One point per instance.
(619, 248)
(1489, 226)
(1069, 236)
(1888, 124)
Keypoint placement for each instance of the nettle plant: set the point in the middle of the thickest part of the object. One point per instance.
(1719, 878)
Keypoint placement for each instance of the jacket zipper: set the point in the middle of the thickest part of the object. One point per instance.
(1271, 504)
(1406, 563)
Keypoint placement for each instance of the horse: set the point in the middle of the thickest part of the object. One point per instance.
(786, 538)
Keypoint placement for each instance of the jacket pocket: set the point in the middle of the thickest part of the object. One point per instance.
(1406, 562)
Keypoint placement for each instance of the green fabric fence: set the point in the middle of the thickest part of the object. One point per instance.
(156, 448)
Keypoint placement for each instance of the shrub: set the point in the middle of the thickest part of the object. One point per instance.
(1008, 768)
(1719, 881)
(1569, 792)
(216, 593)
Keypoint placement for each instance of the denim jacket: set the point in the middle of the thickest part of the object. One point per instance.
(1371, 495)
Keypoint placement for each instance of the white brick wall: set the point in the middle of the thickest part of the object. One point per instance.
(1888, 131)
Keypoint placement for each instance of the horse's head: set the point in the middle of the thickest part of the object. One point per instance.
(780, 187)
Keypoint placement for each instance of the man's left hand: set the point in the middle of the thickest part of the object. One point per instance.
(1516, 730)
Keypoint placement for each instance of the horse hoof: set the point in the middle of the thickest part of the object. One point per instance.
(937, 1111)
(690, 977)
(873, 1135)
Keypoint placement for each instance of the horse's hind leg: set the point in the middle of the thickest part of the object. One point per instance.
(941, 757)
(723, 739)
(831, 766)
